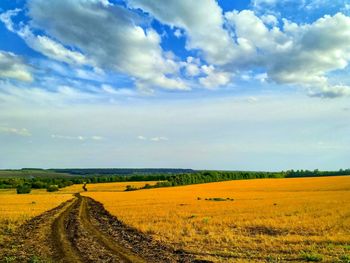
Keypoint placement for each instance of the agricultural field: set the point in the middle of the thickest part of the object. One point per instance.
(105, 187)
(301, 219)
(260, 220)
(16, 209)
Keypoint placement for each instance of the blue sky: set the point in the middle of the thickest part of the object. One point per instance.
(253, 85)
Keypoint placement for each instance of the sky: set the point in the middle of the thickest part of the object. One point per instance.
(229, 85)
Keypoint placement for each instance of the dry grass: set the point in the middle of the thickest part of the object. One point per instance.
(104, 187)
(269, 219)
(15, 209)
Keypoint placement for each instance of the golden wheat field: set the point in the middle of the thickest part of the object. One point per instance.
(104, 187)
(249, 220)
(16, 209)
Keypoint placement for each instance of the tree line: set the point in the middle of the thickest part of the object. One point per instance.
(164, 180)
(44, 183)
(121, 171)
(315, 173)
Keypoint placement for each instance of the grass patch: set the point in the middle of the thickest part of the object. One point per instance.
(218, 199)
(345, 258)
(311, 257)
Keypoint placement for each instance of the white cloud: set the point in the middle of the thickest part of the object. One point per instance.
(55, 50)
(111, 37)
(42, 44)
(262, 77)
(178, 33)
(298, 54)
(13, 67)
(213, 77)
(158, 139)
(153, 139)
(204, 133)
(117, 91)
(202, 22)
(334, 91)
(270, 20)
(192, 66)
(6, 18)
(16, 131)
(260, 3)
(77, 138)
(96, 138)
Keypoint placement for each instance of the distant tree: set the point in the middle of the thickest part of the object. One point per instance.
(52, 188)
(24, 189)
(130, 188)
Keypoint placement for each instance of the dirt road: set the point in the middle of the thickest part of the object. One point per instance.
(81, 230)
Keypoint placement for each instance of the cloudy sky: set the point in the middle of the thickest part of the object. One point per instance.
(205, 84)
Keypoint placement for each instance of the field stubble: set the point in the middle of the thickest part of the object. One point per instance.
(268, 219)
(16, 209)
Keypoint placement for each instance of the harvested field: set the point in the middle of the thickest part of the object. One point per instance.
(80, 230)
(105, 187)
(249, 220)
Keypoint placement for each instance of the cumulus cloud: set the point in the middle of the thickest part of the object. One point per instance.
(104, 36)
(16, 131)
(269, 19)
(42, 44)
(213, 77)
(297, 54)
(192, 66)
(334, 91)
(13, 67)
(202, 22)
(111, 37)
(293, 54)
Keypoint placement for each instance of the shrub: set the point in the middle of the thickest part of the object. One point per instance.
(311, 257)
(38, 185)
(147, 186)
(218, 199)
(24, 189)
(52, 188)
(130, 188)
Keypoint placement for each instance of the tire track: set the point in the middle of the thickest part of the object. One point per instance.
(104, 240)
(65, 251)
(81, 230)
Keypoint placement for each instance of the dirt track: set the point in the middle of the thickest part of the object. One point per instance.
(81, 230)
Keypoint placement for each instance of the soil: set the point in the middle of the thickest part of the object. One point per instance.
(81, 230)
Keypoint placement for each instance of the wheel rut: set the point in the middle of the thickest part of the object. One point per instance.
(81, 230)
(64, 251)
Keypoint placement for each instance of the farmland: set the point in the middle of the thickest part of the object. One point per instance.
(16, 209)
(286, 219)
(105, 187)
(270, 219)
